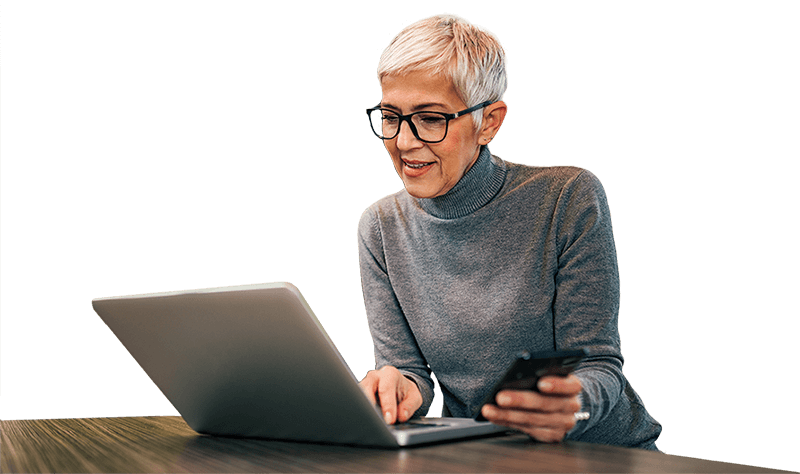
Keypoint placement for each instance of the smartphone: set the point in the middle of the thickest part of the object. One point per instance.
(525, 372)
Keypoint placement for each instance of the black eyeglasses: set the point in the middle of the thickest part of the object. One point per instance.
(428, 127)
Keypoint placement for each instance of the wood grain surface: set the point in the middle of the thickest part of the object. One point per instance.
(167, 444)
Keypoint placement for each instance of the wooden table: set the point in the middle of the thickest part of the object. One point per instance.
(167, 444)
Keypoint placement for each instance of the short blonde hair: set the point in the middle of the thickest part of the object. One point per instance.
(445, 44)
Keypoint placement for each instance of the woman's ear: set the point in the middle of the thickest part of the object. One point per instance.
(493, 116)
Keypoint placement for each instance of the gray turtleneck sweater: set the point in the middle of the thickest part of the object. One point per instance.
(512, 258)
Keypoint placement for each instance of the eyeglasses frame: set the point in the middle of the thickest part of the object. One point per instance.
(407, 119)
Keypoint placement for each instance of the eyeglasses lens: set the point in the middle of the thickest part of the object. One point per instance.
(430, 126)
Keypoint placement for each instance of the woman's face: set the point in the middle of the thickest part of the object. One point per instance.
(429, 169)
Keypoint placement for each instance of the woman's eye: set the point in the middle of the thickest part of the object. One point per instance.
(432, 119)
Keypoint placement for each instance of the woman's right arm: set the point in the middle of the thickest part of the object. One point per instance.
(394, 343)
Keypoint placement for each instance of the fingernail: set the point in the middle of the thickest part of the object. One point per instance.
(545, 385)
(503, 399)
(387, 417)
(405, 415)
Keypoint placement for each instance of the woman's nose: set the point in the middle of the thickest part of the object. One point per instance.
(405, 137)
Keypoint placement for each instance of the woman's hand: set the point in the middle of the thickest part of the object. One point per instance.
(398, 397)
(547, 415)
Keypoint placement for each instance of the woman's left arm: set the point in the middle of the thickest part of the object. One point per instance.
(586, 304)
(585, 308)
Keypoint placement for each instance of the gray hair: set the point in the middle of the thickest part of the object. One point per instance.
(471, 57)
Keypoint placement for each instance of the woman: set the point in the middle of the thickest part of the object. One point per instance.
(478, 259)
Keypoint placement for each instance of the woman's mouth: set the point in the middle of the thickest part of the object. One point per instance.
(414, 169)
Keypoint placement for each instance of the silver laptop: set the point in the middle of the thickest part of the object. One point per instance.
(253, 361)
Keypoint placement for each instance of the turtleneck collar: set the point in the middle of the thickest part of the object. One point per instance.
(474, 190)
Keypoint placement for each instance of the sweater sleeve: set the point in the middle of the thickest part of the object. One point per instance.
(394, 343)
(586, 303)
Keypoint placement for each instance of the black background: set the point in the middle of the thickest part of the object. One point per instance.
(232, 150)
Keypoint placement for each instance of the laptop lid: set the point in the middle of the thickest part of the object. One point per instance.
(254, 361)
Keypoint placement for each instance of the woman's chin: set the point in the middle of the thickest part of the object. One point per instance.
(419, 191)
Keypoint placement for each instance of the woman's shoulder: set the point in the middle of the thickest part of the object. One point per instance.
(389, 206)
(549, 178)
(554, 173)
(390, 203)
